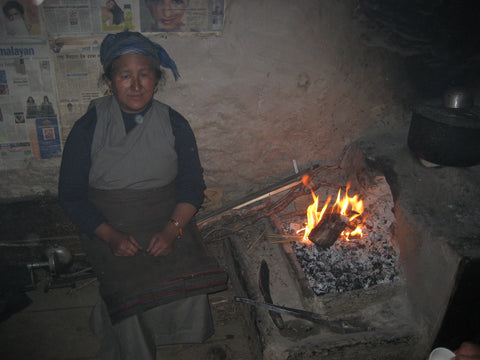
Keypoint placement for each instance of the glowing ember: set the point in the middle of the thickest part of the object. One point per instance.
(350, 207)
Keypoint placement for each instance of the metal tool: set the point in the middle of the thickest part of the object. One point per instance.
(58, 259)
(339, 326)
(264, 285)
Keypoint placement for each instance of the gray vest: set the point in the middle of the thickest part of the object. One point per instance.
(144, 158)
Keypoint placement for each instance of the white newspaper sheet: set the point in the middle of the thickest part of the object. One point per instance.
(87, 17)
(77, 73)
(27, 99)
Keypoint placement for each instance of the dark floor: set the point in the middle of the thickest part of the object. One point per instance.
(55, 325)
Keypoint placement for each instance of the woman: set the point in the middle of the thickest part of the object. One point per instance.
(167, 14)
(47, 107)
(112, 14)
(131, 179)
(32, 110)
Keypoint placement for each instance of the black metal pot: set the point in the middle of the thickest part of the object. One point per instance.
(446, 136)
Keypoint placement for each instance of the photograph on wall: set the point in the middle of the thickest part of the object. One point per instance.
(181, 15)
(117, 15)
(19, 118)
(19, 18)
(44, 107)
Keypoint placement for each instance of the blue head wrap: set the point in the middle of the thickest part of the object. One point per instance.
(126, 42)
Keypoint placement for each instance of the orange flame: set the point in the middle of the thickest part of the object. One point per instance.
(345, 206)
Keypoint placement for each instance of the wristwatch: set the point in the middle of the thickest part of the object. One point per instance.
(177, 225)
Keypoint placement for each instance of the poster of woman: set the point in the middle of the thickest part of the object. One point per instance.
(116, 16)
(20, 18)
(181, 15)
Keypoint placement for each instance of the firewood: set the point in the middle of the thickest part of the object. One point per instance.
(326, 232)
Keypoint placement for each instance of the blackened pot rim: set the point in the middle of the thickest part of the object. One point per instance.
(466, 118)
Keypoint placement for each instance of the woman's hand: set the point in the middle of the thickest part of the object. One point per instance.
(123, 244)
(120, 243)
(162, 242)
(468, 351)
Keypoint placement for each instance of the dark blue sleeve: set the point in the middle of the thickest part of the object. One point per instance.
(189, 183)
(74, 175)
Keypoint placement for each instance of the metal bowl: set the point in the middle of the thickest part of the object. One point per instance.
(457, 98)
(61, 253)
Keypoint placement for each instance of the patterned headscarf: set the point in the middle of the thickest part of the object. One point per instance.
(126, 42)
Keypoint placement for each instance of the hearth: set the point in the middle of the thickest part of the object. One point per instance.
(356, 280)
(398, 279)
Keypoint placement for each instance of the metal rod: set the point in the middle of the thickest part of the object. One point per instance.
(340, 326)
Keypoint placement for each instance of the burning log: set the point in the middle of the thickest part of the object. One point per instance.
(326, 232)
(332, 225)
(324, 227)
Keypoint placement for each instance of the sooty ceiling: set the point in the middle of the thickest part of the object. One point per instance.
(439, 39)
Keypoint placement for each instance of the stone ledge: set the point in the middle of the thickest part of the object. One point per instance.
(437, 212)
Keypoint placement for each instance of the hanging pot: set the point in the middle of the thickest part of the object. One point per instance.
(446, 136)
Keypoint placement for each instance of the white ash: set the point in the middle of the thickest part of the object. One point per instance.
(360, 263)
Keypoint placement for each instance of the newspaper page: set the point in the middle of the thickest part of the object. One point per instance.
(86, 17)
(19, 19)
(26, 95)
(182, 16)
(77, 74)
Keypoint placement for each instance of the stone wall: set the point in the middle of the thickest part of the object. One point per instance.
(285, 80)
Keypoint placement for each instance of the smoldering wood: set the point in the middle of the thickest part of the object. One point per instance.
(327, 231)
(244, 216)
(234, 217)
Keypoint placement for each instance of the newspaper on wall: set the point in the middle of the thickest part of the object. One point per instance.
(78, 77)
(26, 94)
(86, 17)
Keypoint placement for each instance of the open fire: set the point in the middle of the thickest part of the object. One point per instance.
(364, 254)
(343, 219)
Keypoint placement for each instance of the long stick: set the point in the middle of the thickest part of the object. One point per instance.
(271, 193)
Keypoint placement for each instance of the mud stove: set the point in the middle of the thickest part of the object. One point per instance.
(411, 283)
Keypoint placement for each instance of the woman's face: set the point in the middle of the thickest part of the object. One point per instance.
(133, 82)
(167, 14)
(14, 14)
(110, 4)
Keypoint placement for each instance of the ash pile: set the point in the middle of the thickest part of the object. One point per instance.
(358, 263)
